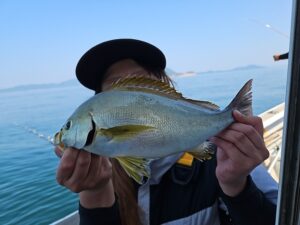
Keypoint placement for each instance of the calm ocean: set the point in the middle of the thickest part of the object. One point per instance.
(29, 193)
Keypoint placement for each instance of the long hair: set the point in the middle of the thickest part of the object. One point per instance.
(127, 195)
(124, 186)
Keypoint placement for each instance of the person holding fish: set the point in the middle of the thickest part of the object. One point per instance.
(138, 152)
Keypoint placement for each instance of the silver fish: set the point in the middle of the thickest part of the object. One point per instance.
(140, 119)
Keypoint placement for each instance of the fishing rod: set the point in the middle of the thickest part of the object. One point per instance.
(38, 134)
(270, 27)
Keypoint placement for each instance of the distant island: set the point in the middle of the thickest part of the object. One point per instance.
(170, 72)
(67, 83)
(248, 67)
(186, 74)
(193, 73)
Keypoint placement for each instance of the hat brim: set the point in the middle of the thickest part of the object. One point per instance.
(93, 64)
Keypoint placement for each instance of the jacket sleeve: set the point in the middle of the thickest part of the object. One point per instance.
(284, 56)
(100, 216)
(250, 207)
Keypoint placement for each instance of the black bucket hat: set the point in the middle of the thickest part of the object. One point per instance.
(93, 64)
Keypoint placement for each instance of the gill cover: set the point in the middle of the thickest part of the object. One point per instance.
(80, 132)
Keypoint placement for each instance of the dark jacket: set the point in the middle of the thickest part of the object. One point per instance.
(191, 195)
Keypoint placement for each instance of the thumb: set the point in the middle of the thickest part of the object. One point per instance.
(254, 121)
(239, 117)
(59, 152)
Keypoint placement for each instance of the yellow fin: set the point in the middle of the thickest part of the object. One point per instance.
(203, 151)
(136, 168)
(120, 133)
(158, 87)
(146, 84)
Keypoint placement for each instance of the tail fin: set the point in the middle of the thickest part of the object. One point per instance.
(243, 100)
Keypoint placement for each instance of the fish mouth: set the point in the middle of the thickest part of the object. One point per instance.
(91, 135)
(57, 140)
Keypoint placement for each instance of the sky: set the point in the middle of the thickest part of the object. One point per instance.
(42, 41)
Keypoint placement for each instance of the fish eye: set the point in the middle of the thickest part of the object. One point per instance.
(68, 125)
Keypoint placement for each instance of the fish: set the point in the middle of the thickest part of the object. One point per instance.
(140, 119)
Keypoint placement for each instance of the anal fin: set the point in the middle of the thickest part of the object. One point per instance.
(136, 168)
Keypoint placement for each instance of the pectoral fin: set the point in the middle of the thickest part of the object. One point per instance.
(120, 133)
(203, 151)
(136, 168)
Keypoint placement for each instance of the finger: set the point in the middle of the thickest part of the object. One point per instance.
(58, 152)
(250, 132)
(221, 155)
(241, 142)
(230, 150)
(75, 182)
(254, 121)
(67, 165)
(92, 176)
(106, 163)
(106, 168)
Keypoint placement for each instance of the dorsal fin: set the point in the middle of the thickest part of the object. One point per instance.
(149, 85)
(146, 84)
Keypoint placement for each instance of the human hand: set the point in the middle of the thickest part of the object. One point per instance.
(87, 173)
(276, 57)
(240, 149)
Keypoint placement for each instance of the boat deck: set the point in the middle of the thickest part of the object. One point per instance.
(273, 125)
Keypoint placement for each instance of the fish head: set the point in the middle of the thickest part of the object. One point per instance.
(77, 132)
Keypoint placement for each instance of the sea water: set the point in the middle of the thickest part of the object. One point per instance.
(29, 193)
